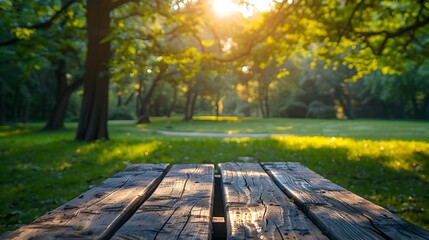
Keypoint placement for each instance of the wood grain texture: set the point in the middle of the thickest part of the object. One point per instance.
(97, 213)
(180, 208)
(256, 208)
(340, 213)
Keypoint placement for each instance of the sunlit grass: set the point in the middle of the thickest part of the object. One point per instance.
(129, 153)
(373, 129)
(41, 170)
(215, 118)
(18, 129)
(397, 155)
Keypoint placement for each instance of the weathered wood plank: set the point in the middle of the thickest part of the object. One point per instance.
(97, 213)
(256, 208)
(180, 208)
(337, 211)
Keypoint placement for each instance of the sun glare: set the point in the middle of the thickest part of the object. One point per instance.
(224, 8)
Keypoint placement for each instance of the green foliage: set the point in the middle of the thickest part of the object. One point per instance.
(23, 33)
(381, 35)
(330, 42)
(28, 67)
(410, 89)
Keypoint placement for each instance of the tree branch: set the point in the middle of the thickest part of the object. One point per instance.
(349, 21)
(214, 33)
(388, 35)
(262, 33)
(199, 40)
(41, 25)
(399, 31)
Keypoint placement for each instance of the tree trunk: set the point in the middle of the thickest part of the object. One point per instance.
(63, 93)
(345, 102)
(349, 107)
(425, 106)
(217, 105)
(56, 119)
(129, 99)
(415, 107)
(260, 98)
(57, 116)
(193, 103)
(266, 101)
(26, 111)
(261, 107)
(143, 115)
(191, 98)
(16, 106)
(2, 102)
(267, 109)
(139, 96)
(263, 97)
(187, 104)
(94, 110)
(119, 100)
(173, 102)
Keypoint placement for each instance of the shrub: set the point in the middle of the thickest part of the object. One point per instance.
(120, 114)
(294, 110)
(317, 109)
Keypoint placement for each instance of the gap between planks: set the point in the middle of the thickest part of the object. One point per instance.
(180, 208)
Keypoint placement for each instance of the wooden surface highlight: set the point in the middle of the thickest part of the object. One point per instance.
(256, 208)
(180, 208)
(340, 213)
(97, 213)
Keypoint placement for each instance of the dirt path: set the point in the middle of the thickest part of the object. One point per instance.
(219, 135)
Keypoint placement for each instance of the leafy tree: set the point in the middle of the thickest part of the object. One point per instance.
(329, 84)
(411, 88)
(125, 38)
(69, 52)
(45, 46)
(375, 35)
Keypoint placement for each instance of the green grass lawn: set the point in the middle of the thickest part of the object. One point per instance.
(386, 162)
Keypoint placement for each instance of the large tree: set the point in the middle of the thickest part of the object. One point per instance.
(94, 110)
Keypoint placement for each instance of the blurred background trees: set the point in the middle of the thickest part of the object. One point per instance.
(317, 59)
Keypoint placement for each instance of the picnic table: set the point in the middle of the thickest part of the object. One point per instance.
(279, 200)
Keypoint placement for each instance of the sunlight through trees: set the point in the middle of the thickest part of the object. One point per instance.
(136, 59)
